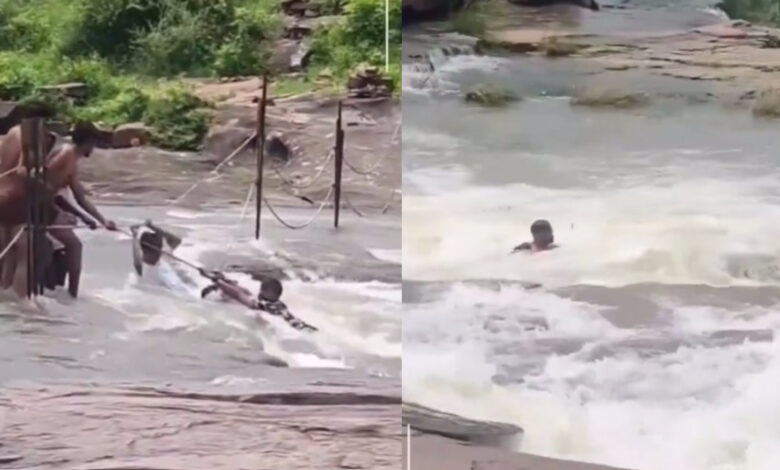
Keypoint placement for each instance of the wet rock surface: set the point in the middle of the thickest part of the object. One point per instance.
(431, 421)
(307, 426)
(440, 453)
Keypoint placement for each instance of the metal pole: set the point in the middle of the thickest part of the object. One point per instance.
(260, 153)
(338, 161)
(44, 201)
(32, 146)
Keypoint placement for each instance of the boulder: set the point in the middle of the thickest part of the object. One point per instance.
(77, 91)
(12, 113)
(432, 421)
(277, 147)
(131, 135)
(300, 58)
(419, 10)
(301, 8)
(221, 141)
(368, 82)
(490, 95)
(58, 127)
(105, 135)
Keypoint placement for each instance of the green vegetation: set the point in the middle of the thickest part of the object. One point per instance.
(473, 19)
(134, 54)
(470, 21)
(758, 11)
(490, 95)
(359, 38)
(608, 98)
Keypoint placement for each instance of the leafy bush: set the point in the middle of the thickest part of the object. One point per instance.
(169, 37)
(470, 22)
(179, 119)
(360, 38)
(109, 28)
(22, 73)
(760, 11)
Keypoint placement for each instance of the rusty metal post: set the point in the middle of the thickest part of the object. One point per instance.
(339, 162)
(36, 201)
(260, 153)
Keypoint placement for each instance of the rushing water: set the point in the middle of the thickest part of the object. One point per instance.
(156, 329)
(651, 343)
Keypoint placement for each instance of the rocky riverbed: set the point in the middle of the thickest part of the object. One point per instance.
(137, 374)
(639, 131)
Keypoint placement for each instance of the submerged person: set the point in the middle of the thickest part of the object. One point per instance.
(543, 239)
(152, 245)
(267, 299)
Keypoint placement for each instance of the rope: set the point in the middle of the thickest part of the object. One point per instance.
(249, 195)
(311, 181)
(235, 152)
(8, 172)
(12, 242)
(305, 224)
(383, 210)
(215, 172)
(370, 170)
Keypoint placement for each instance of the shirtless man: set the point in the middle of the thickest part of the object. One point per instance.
(543, 239)
(267, 299)
(62, 172)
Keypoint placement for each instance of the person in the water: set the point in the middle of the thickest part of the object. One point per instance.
(152, 243)
(543, 239)
(267, 299)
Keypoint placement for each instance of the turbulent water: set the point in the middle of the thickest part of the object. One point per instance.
(156, 329)
(650, 344)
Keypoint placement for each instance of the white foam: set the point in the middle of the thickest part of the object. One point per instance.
(693, 408)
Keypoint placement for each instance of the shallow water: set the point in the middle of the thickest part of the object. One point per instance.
(130, 329)
(651, 343)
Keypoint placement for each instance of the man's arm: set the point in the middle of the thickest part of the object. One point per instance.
(79, 193)
(279, 309)
(523, 247)
(65, 205)
(237, 293)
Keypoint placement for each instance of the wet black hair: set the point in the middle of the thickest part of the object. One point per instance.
(84, 132)
(540, 226)
(152, 242)
(270, 289)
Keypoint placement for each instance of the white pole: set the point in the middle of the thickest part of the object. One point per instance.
(387, 35)
(408, 447)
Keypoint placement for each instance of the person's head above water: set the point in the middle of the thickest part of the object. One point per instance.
(151, 247)
(542, 232)
(85, 137)
(270, 289)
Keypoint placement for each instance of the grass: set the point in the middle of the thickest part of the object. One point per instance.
(609, 98)
(359, 38)
(490, 95)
